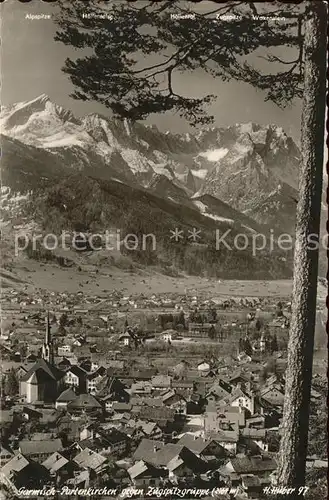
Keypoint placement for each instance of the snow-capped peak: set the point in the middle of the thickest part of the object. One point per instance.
(214, 154)
(42, 98)
(25, 115)
(240, 164)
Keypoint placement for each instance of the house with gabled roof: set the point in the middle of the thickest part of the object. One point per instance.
(144, 474)
(252, 485)
(65, 398)
(254, 439)
(112, 389)
(141, 387)
(240, 398)
(94, 444)
(135, 435)
(205, 448)
(273, 394)
(116, 441)
(239, 377)
(184, 386)
(63, 363)
(6, 454)
(173, 399)
(160, 415)
(93, 379)
(149, 429)
(88, 459)
(70, 427)
(217, 392)
(257, 421)
(161, 382)
(30, 413)
(140, 400)
(55, 462)
(126, 339)
(84, 403)
(23, 369)
(227, 438)
(39, 450)
(232, 414)
(43, 382)
(110, 440)
(12, 469)
(76, 376)
(178, 460)
(21, 472)
(146, 449)
(262, 466)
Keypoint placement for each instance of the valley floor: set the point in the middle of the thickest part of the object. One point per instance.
(57, 279)
(54, 278)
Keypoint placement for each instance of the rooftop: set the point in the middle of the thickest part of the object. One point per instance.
(40, 447)
(42, 369)
(89, 459)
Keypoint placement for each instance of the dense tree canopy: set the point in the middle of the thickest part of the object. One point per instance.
(129, 58)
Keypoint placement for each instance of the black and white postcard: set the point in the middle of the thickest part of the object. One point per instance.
(163, 250)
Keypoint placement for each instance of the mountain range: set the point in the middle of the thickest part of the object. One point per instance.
(243, 177)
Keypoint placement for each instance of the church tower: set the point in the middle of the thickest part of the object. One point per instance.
(47, 348)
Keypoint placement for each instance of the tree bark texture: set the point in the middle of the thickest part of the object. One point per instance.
(293, 448)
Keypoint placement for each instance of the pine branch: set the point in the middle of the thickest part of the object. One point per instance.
(111, 75)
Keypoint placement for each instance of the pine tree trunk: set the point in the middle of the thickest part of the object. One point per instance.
(293, 448)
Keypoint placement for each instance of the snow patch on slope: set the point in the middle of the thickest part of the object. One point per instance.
(214, 154)
(62, 140)
(127, 128)
(204, 210)
(201, 174)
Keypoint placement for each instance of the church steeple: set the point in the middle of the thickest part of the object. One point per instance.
(47, 348)
(48, 333)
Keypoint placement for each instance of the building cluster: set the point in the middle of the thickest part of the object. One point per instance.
(76, 422)
(103, 302)
(74, 415)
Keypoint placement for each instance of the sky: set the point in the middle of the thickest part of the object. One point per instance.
(31, 64)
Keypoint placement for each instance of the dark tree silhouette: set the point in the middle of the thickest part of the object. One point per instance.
(181, 319)
(279, 311)
(213, 316)
(212, 332)
(112, 74)
(258, 325)
(247, 346)
(274, 344)
(63, 320)
(11, 386)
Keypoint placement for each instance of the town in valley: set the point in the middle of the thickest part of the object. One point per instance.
(145, 392)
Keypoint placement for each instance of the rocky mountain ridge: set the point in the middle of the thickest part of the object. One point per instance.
(244, 165)
(243, 177)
